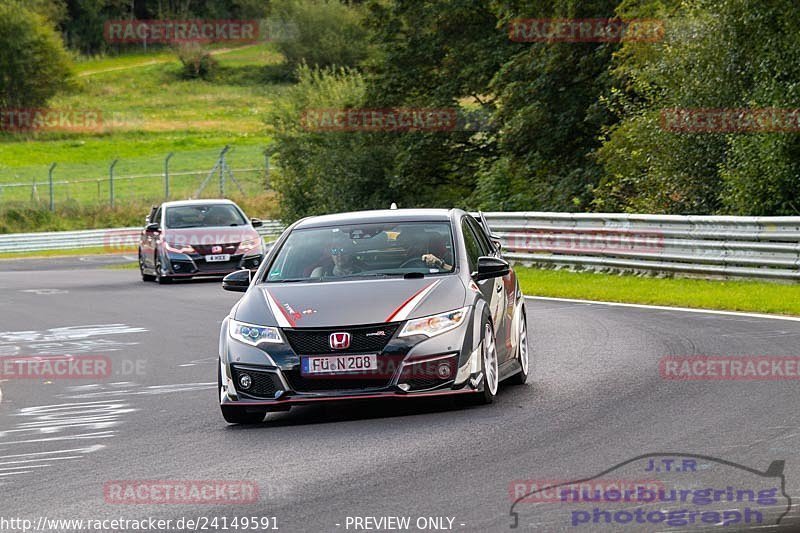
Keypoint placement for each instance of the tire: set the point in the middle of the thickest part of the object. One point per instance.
(523, 354)
(489, 365)
(145, 277)
(238, 415)
(161, 279)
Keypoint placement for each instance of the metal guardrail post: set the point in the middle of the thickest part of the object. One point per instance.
(111, 181)
(50, 180)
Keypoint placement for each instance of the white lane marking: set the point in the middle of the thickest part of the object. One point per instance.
(667, 308)
(45, 292)
(23, 461)
(4, 468)
(15, 473)
(138, 390)
(88, 449)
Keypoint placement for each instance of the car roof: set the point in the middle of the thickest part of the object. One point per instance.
(182, 203)
(377, 216)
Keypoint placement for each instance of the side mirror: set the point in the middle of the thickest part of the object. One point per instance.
(256, 222)
(237, 281)
(491, 267)
(152, 228)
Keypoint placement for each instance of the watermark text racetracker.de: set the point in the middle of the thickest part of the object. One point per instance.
(721, 120)
(42, 119)
(181, 31)
(729, 368)
(587, 30)
(76, 367)
(196, 523)
(561, 240)
(178, 492)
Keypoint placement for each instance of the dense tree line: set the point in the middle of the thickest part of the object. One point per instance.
(574, 126)
(566, 126)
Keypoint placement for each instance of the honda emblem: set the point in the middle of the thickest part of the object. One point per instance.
(339, 341)
(216, 249)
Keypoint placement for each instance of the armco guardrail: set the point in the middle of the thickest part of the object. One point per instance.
(112, 239)
(753, 247)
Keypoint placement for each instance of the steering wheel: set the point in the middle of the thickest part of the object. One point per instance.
(414, 262)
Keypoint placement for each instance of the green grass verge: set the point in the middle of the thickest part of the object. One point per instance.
(148, 110)
(96, 250)
(750, 296)
(123, 266)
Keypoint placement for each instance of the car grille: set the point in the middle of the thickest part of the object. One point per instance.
(206, 249)
(265, 384)
(222, 266)
(363, 339)
(315, 384)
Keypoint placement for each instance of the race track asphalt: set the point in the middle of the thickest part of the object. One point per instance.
(596, 400)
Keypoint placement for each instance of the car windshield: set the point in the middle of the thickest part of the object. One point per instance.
(409, 249)
(203, 216)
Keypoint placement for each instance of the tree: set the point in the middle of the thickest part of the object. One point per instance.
(33, 63)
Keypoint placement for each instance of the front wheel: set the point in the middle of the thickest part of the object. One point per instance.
(491, 373)
(161, 278)
(145, 277)
(523, 355)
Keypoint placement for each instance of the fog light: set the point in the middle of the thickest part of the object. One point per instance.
(443, 370)
(245, 381)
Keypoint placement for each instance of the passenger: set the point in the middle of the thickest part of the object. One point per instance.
(343, 262)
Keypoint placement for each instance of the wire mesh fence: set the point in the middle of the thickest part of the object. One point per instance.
(223, 172)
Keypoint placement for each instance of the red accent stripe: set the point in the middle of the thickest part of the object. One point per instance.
(283, 310)
(396, 311)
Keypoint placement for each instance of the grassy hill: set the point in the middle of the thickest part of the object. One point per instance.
(148, 110)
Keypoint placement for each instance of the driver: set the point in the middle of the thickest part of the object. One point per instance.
(419, 245)
(343, 262)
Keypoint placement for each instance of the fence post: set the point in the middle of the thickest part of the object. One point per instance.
(111, 181)
(50, 180)
(166, 175)
(222, 167)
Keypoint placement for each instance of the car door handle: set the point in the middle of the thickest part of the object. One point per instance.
(499, 287)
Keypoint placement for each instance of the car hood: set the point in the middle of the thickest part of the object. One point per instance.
(344, 303)
(210, 236)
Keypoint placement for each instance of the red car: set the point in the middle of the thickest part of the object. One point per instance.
(198, 238)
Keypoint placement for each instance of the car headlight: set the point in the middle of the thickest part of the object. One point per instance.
(252, 334)
(434, 324)
(249, 246)
(179, 248)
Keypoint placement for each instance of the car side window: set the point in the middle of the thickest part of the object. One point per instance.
(486, 246)
(471, 243)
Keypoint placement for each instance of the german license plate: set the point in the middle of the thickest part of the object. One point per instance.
(335, 364)
(218, 258)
